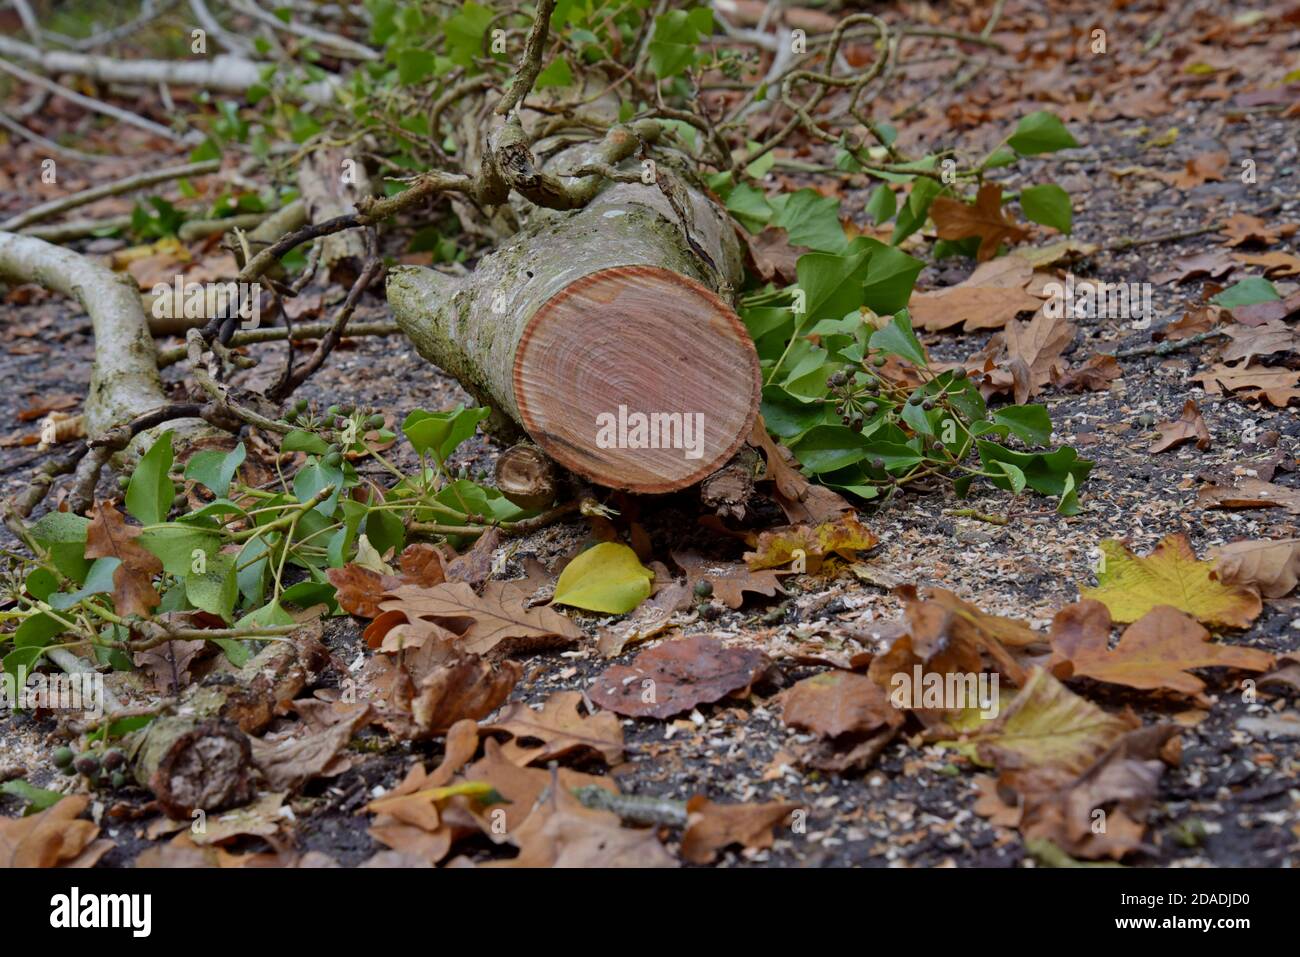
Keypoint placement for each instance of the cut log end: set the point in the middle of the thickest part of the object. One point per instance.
(637, 378)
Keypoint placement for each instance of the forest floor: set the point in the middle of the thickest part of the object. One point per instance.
(1239, 777)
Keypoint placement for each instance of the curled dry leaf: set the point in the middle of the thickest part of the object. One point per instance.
(1243, 229)
(1200, 169)
(1271, 566)
(1155, 652)
(289, 763)
(1130, 585)
(1034, 353)
(560, 728)
(1189, 427)
(836, 703)
(1268, 338)
(993, 295)
(1279, 386)
(675, 676)
(1095, 375)
(845, 537)
(712, 827)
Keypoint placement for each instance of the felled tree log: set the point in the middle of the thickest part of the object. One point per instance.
(199, 756)
(601, 332)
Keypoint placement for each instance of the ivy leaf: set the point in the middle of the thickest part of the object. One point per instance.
(217, 589)
(898, 339)
(607, 578)
(1130, 585)
(882, 204)
(1029, 423)
(300, 441)
(811, 220)
(149, 496)
(1248, 292)
(438, 433)
(891, 274)
(914, 212)
(1050, 473)
(1049, 205)
(63, 535)
(214, 469)
(175, 546)
(827, 448)
(1041, 132)
(676, 37)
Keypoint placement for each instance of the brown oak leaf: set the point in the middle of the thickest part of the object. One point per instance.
(1189, 427)
(108, 536)
(985, 218)
(677, 675)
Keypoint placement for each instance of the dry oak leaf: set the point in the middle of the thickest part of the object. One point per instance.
(730, 580)
(360, 589)
(290, 763)
(1270, 310)
(1279, 386)
(1212, 265)
(1200, 169)
(838, 702)
(108, 536)
(1271, 566)
(799, 499)
(955, 220)
(560, 728)
(1243, 229)
(845, 537)
(1153, 653)
(56, 837)
(677, 675)
(988, 298)
(1130, 586)
(482, 622)
(1266, 339)
(1095, 375)
(1275, 264)
(465, 686)
(1250, 493)
(1189, 427)
(712, 827)
(1044, 725)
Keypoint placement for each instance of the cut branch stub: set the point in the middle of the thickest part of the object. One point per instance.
(601, 333)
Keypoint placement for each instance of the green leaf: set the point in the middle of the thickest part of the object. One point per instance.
(1013, 474)
(898, 339)
(38, 799)
(1048, 204)
(557, 74)
(217, 589)
(149, 496)
(827, 448)
(1050, 473)
(786, 416)
(832, 285)
(750, 206)
(811, 220)
(300, 441)
(882, 205)
(1041, 132)
(438, 433)
(63, 535)
(1069, 503)
(1029, 423)
(607, 578)
(176, 544)
(895, 456)
(37, 631)
(914, 212)
(675, 39)
(1248, 292)
(891, 274)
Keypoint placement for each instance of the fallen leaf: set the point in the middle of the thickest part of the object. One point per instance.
(108, 536)
(836, 703)
(1279, 386)
(1250, 493)
(1094, 375)
(730, 580)
(712, 827)
(1130, 586)
(1211, 265)
(845, 537)
(1271, 566)
(989, 298)
(1188, 427)
(56, 837)
(1200, 169)
(955, 220)
(607, 578)
(290, 763)
(560, 728)
(1276, 265)
(1033, 352)
(1243, 229)
(677, 675)
(1155, 652)
(360, 589)
(498, 617)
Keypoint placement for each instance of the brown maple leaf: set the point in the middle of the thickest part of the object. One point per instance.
(1189, 427)
(481, 623)
(109, 536)
(1200, 169)
(993, 295)
(1034, 352)
(985, 218)
(360, 589)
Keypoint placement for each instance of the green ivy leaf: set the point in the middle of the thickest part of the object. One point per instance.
(300, 441)
(214, 469)
(607, 578)
(1248, 292)
(175, 546)
(438, 433)
(675, 39)
(811, 220)
(826, 448)
(882, 205)
(217, 589)
(38, 799)
(898, 339)
(1029, 423)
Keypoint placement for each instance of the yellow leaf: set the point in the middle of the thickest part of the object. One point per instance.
(845, 536)
(1046, 724)
(1130, 586)
(607, 578)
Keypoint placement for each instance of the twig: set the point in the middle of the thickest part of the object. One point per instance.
(66, 151)
(531, 66)
(1169, 345)
(98, 106)
(637, 808)
(138, 181)
(303, 332)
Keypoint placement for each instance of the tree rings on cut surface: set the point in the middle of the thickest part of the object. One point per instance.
(637, 377)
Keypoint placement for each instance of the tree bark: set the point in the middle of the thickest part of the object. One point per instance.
(584, 319)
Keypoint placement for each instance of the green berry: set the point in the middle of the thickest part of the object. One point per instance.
(332, 410)
(333, 459)
(376, 421)
(704, 589)
(123, 480)
(879, 361)
(87, 764)
(63, 757)
(118, 780)
(958, 374)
